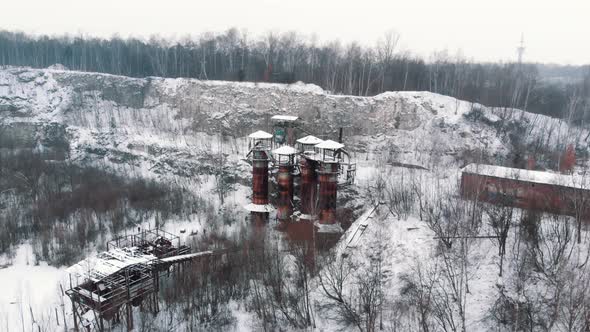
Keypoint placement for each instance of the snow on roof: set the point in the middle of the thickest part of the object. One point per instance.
(310, 140)
(330, 145)
(109, 262)
(185, 256)
(260, 135)
(259, 207)
(285, 150)
(574, 181)
(284, 118)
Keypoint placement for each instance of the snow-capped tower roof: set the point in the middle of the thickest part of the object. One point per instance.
(285, 150)
(328, 151)
(261, 141)
(330, 145)
(310, 140)
(285, 155)
(260, 135)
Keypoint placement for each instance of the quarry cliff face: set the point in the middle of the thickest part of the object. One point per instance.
(120, 119)
(207, 106)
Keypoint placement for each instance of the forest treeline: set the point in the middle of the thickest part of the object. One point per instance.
(289, 57)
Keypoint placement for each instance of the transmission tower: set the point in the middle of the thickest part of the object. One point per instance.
(520, 49)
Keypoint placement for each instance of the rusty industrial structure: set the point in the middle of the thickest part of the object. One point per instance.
(316, 166)
(259, 157)
(104, 289)
(284, 128)
(308, 184)
(285, 161)
(526, 189)
(329, 167)
(329, 155)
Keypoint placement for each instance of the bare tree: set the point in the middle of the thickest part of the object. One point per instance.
(354, 294)
(579, 199)
(442, 215)
(385, 52)
(500, 220)
(399, 195)
(334, 277)
(418, 288)
(281, 286)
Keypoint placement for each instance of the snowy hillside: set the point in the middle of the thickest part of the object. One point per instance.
(150, 120)
(187, 132)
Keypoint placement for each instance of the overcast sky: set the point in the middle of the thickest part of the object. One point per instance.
(554, 30)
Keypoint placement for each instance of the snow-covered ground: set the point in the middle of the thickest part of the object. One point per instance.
(30, 288)
(185, 131)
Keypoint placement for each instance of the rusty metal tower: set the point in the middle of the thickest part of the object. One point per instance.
(329, 167)
(285, 160)
(328, 228)
(309, 178)
(259, 156)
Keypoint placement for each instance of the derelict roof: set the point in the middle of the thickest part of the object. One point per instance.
(573, 181)
(285, 150)
(108, 263)
(289, 118)
(260, 135)
(310, 140)
(329, 145)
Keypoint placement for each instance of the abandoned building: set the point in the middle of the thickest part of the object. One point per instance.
(527, 189)
(103, 289)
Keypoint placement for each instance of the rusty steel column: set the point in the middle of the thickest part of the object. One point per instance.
(328, 178)
(259, 207)
(285, 183)
(259, 177)
(259, 185)
(301, 233)
(308, 186)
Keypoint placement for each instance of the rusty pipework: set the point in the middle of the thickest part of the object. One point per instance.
(308, 186)
(328, 178)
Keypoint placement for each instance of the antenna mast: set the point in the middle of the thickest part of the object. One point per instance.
(520, 49)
